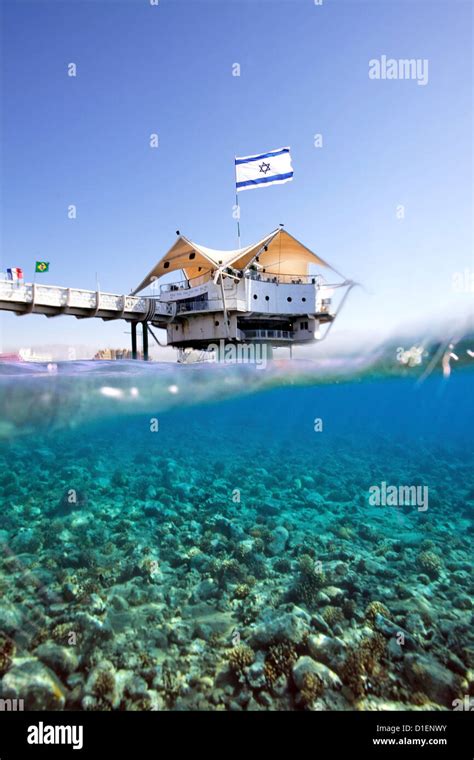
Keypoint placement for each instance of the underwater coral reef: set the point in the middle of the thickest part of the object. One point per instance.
(233, 561)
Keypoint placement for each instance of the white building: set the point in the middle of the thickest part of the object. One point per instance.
(272, 292)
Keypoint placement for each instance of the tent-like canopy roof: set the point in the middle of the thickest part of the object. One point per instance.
(278, 253)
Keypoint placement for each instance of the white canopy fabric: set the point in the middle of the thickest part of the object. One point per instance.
(278, 253)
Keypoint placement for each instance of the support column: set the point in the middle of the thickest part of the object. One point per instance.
(134, 339)
(145, 341)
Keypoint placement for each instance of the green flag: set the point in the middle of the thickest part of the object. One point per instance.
(42, 266)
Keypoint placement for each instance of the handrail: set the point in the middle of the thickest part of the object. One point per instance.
(286, 279)
(172, 286)
(192, 306)
(289, 279)
(278, 334)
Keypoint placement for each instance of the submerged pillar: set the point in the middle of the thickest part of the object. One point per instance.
(134, 340)
(145, 341)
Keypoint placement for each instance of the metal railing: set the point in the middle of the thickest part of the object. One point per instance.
(325, 305)
(192, 306)
(266, 334)
(170, 287)
(285, 279)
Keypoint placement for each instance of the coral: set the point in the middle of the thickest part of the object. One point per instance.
(349, 608)
(168, 644)
(372, 650)
(242, 591)
(142, 704)
(242, 551)
(279, 660)
(260, 532)
(362, 661)
(418, 698)
(352, 673)
(104, 685)
(228, 570)
(61, 632)
(118, 479)
(309, 582)
(39, 637)
(312, 688)
(240, 657)
(332, 615)
(170, 684)
(306, 564)
(146, 661)
(7, 653)
(215, 640)
(343, 532)
(427, 543)
(430, 563)
(282, 565)
(373, 609)
(248, 611)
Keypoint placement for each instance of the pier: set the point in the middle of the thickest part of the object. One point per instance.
(54, 301)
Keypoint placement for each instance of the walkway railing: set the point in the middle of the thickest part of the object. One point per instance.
(34, 298)
(192, 306)
(286, 279)
(267, 334)
(170, 287)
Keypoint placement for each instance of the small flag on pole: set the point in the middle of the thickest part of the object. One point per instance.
(261, 170)
(15, 273)
(42, 266)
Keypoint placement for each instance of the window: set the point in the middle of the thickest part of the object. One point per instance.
(304, 300)
(216, 323)
(192, 255)
(166, 265)
(289, 299)
(267, 298)
(255, 296)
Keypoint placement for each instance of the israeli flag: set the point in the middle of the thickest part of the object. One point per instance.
(272, 168)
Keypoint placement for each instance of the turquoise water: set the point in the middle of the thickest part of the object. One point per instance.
(206, 537)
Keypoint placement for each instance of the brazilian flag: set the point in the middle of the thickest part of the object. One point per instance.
(42, 266)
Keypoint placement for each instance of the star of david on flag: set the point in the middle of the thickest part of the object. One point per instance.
(263, 169)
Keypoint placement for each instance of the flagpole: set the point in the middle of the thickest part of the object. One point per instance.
(238, 218)
(237, 205)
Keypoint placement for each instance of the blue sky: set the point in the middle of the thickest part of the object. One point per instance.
(167, 69)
